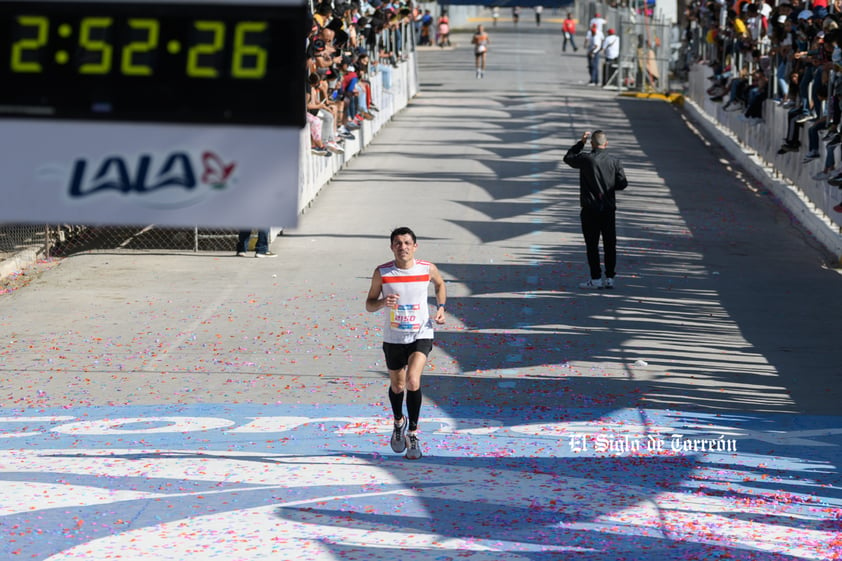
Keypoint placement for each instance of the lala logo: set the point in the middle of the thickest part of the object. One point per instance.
(216, 172)
(146, 175)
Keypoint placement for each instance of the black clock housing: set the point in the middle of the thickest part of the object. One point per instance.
(237, 64)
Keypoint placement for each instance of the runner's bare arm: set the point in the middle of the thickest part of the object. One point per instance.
(441, 293)
(374, 302)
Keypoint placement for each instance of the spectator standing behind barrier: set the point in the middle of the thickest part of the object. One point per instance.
(598, 21)
(480, 41)
(600, 176)
(261, 249)
(538, 11)
(593, 44)
(495, 14)
(516, 15)
(568, 32)
(444, 30)
(611, 49)
(426, 28)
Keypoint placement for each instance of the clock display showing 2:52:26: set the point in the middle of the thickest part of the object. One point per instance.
(99, 45)
(226, 62)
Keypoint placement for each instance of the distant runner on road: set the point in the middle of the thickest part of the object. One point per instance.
(402, 287)
(480, 41)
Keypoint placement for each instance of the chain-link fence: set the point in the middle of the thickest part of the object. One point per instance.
(148, 238)
(63, 240)
(19, 237)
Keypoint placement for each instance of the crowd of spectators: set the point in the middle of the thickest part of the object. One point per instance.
(787, 51)
(348, 43)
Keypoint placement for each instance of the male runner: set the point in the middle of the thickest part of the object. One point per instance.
(402, 286)
(480, 41)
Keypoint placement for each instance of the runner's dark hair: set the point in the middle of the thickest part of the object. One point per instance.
(402, 231)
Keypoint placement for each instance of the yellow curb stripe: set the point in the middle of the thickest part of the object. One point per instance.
(508, 18)
(675, 98)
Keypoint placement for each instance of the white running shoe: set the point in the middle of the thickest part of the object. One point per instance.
(608, 282)
(591, 283)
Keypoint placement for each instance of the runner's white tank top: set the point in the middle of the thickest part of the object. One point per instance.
(411, 319)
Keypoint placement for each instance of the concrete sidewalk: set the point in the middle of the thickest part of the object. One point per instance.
(203, 406)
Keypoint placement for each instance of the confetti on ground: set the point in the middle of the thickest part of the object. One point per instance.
(250, 482)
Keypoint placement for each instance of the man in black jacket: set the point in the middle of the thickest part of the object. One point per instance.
(600, 175)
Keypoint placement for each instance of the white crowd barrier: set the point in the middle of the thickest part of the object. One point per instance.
(316, 171)
(755, 146)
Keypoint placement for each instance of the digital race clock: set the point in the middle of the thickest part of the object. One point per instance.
(174, 113)
(176, 62)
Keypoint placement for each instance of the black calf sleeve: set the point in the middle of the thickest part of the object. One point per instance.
(413, 407)
(396, 399)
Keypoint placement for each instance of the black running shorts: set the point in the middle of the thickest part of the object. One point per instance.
(397, 354)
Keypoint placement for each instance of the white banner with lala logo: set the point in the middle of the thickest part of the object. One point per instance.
(176, 175)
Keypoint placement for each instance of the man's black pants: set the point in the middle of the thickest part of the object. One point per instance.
(596, 223)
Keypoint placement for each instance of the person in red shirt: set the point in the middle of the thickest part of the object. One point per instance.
(444, 30)
(568, 30)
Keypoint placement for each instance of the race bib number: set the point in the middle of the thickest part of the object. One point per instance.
(405, 317)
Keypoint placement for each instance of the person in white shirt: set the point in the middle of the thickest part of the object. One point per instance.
(480, 41)
(538, 11)
(593, 44)
(611, 54)
(599, 22)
